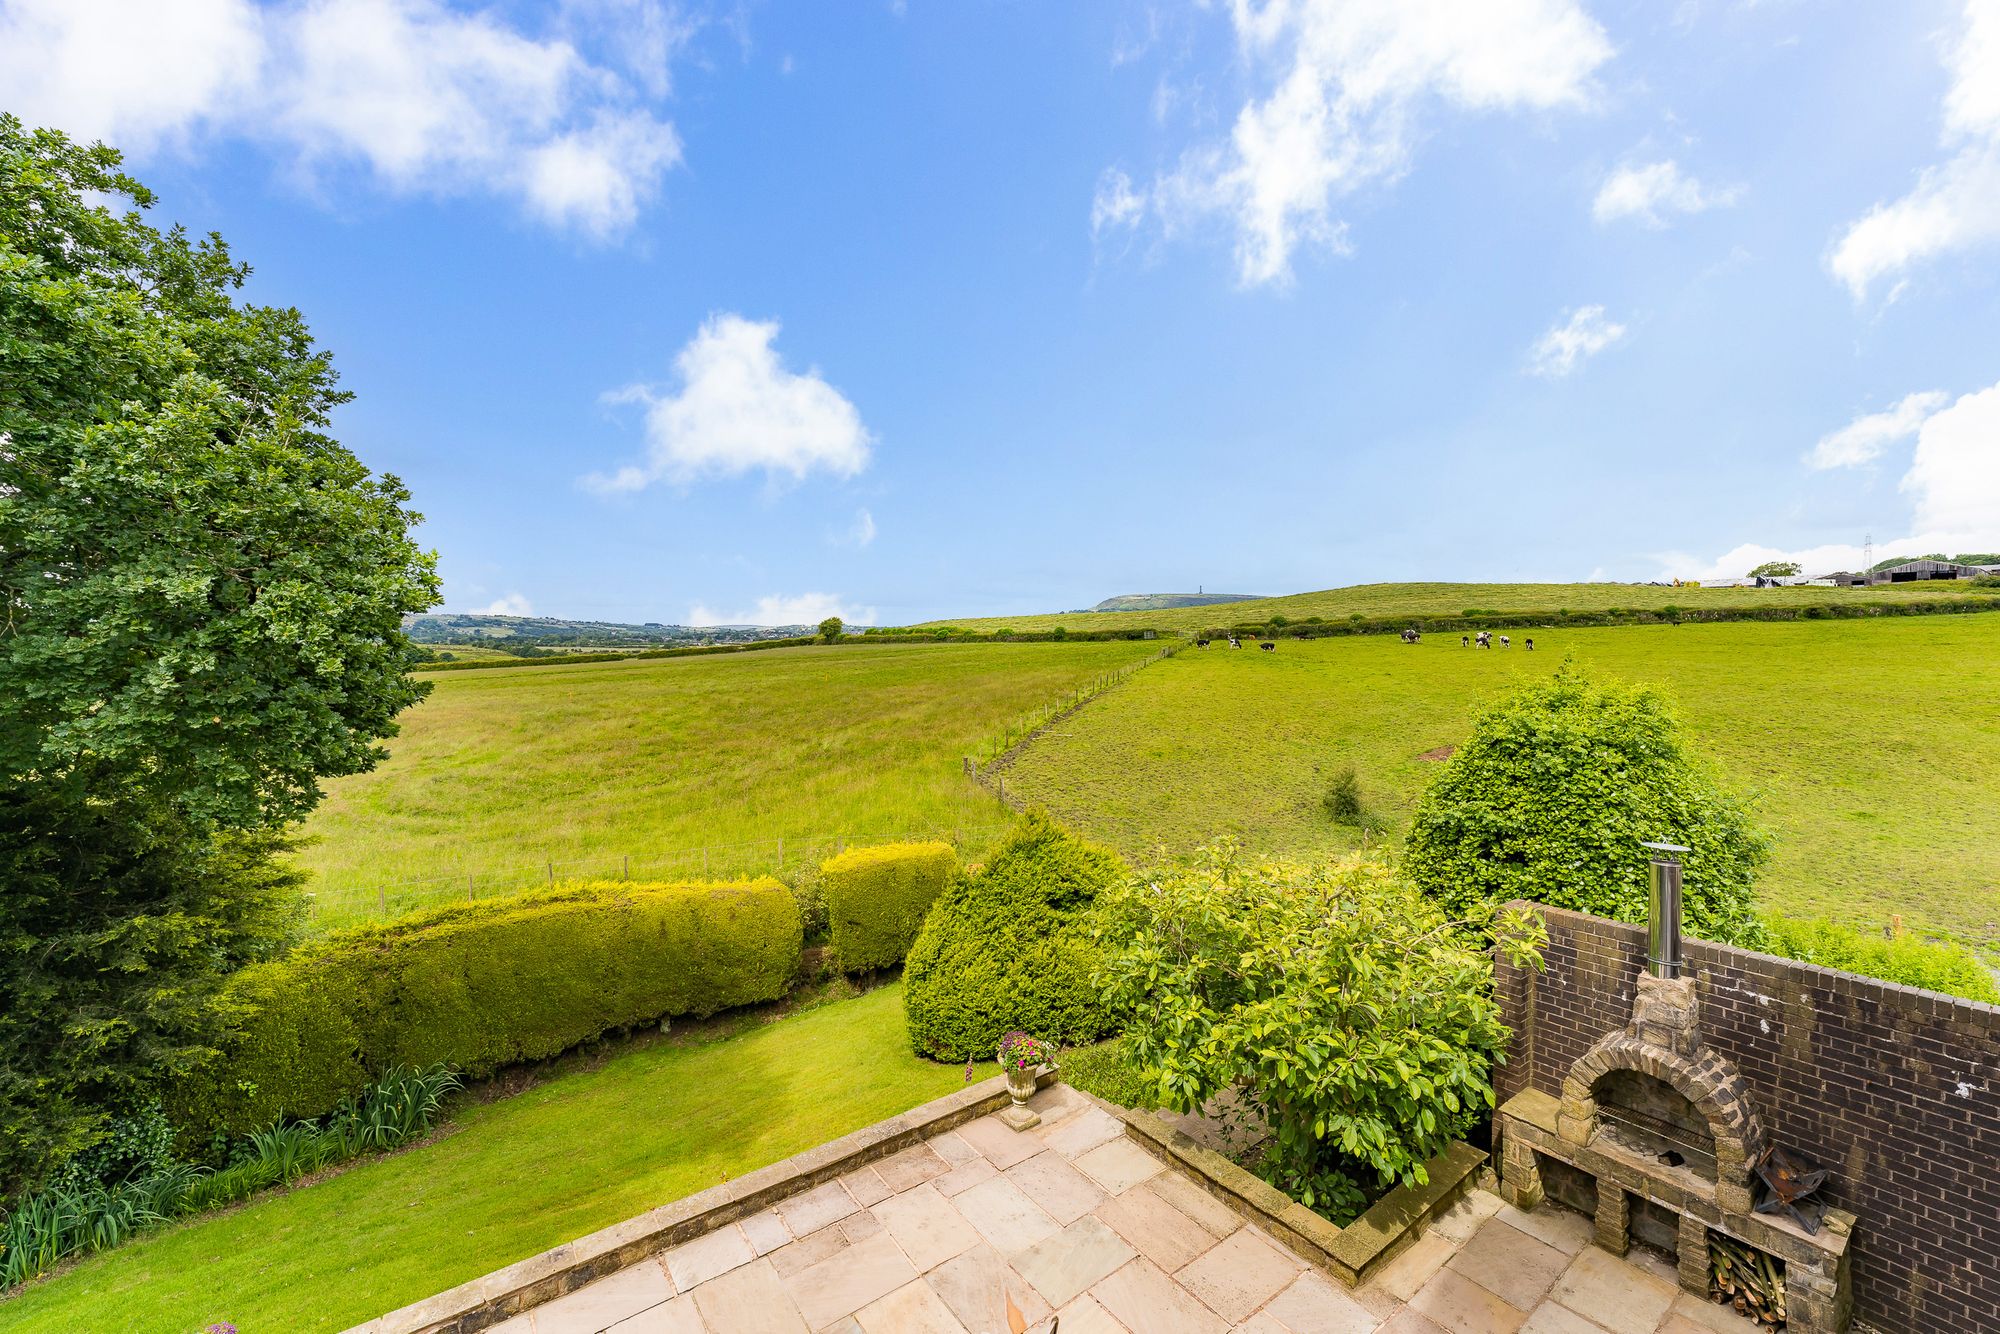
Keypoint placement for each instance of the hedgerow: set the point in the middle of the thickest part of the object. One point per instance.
(1011, 948)
(480, 986)
(1914, 963)
(876, 899)
(1552, 795)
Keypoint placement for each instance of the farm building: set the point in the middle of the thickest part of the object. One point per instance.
(1909, 572)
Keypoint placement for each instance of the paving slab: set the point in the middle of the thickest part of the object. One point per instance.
(598, 1305)
(1064, 1266)
(1056, 1101)
(849, 1281)
(1240, 1274)
(1455, 1303)
(1159, 1231)
(766, 1232)
(1407, 1321)
(998, 1142)
(1005, 1216)
(808, 1213)
(976, 1285)
(1548, 1318)
(1050, 1180)
(911, 1168)
(752, 1299)
(1076, 1135)
(951, 1147)
(1623, 1299)
(926, 1225)
(1474, 1207)
(707, 1256)
(1145, 1299)
(1086, 1316)
(1552, 1225)
(910, 1309)
(678, 1316)
(1118, 1165)
(1315, 1304)
(965, 1176)
(859, 1227)
(1508, 1262)
(1214, 1216)
(1414, 1266)
(809, 1251)
(865, 1186)
(1705, 1314)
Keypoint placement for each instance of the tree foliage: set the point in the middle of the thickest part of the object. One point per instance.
(201, 596)
(831, 629)
(1552, 795)
(1355, 1017)
(1776, 569)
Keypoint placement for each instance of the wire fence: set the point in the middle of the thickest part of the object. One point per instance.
(337, 906)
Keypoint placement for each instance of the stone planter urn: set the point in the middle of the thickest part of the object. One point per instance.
(1021, 1059)
(1020, 1085)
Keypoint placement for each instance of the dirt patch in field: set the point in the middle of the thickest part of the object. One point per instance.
(1438, 753)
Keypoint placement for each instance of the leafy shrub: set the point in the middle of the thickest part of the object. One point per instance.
(1012, 948)
(1358, 1022)
(809, 892)
(480, 986)
(1912, 962)
(1551, 796)
(1343, 798)
(1106, 1070)
(876, 899)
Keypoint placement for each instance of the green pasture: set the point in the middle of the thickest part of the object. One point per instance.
(510, 1179)
(1369, 600)
(498, 773)
(1870, 748)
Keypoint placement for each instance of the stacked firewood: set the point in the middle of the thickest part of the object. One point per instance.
(1746, 1279)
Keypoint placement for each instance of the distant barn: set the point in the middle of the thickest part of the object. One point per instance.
(1909, 572)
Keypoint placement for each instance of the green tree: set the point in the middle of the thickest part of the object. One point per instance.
(1552, 795)
(201, 597)
(831, 629)
(1776, 569)
(1355, 1018)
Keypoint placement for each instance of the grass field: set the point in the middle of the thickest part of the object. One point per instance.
(513, 1178)
(498, 772)
(1337, 604)
(1871, 748)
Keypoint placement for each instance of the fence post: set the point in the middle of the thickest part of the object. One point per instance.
(382, 899)
(552, 875)
(468, 889)
(781, 852)
(628, 866)
(704, 862)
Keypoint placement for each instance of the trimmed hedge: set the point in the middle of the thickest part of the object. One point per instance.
(876, 899)
(1012, 948)
(481, 986)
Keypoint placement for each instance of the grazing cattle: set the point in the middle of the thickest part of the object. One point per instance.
(1201, 643)
(1268, 646)
(1234, 642)
(1531, 646)
(1506, 642)
(1465, 641)
(1485, 639)
(1412, 635)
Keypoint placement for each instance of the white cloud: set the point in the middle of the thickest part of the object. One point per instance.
(1345, 80)
(778, 609)
(1647, 191)
(1863, 439)
(739, 410)
(424, 97)
(863, 531)
(1116, 203)
(1953, 483)
(1956, 203)
(513, 604)
(1568, 344)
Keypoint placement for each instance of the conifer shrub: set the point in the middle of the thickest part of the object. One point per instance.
(482, 985)
(1012, 948)
(1552, 795)
(876, 899)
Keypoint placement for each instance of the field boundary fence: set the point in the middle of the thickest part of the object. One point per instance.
(356, 904)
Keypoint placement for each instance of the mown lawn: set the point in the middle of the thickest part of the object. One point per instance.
(1337, 604)
(513, 1178)
(501, 771)
(1871, 748)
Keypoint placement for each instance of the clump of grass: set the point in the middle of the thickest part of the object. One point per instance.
(1342, 801)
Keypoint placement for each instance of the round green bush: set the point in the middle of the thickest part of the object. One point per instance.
(1553, 794)
(1011, 948)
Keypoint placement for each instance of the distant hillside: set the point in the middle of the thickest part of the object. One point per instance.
(1456, 599)
(515, 632)
(1162, 601)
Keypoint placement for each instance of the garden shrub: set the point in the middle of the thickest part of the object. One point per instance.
(480, 986)
(876, 899)
(1343, 798)
(1551, 796)
(1012, 948)
(1912, 962)
(1355, 1018)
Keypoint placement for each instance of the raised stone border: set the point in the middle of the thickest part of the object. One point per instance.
(1351, 1254)
(488, 1300)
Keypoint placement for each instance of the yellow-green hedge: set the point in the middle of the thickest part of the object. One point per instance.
(876, 899)
(483, 985)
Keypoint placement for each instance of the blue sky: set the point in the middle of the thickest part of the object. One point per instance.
(761, 311)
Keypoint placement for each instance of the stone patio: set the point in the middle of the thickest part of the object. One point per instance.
(1075, 1218)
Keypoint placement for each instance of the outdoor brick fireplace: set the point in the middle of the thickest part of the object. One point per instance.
(1657, 1132)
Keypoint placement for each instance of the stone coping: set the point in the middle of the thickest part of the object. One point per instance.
(488, 1300)
(1352, 1253)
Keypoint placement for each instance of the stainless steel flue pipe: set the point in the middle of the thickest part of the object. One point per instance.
(1663, 923)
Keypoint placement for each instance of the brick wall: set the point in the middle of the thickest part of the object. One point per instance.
(1896, 1090)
